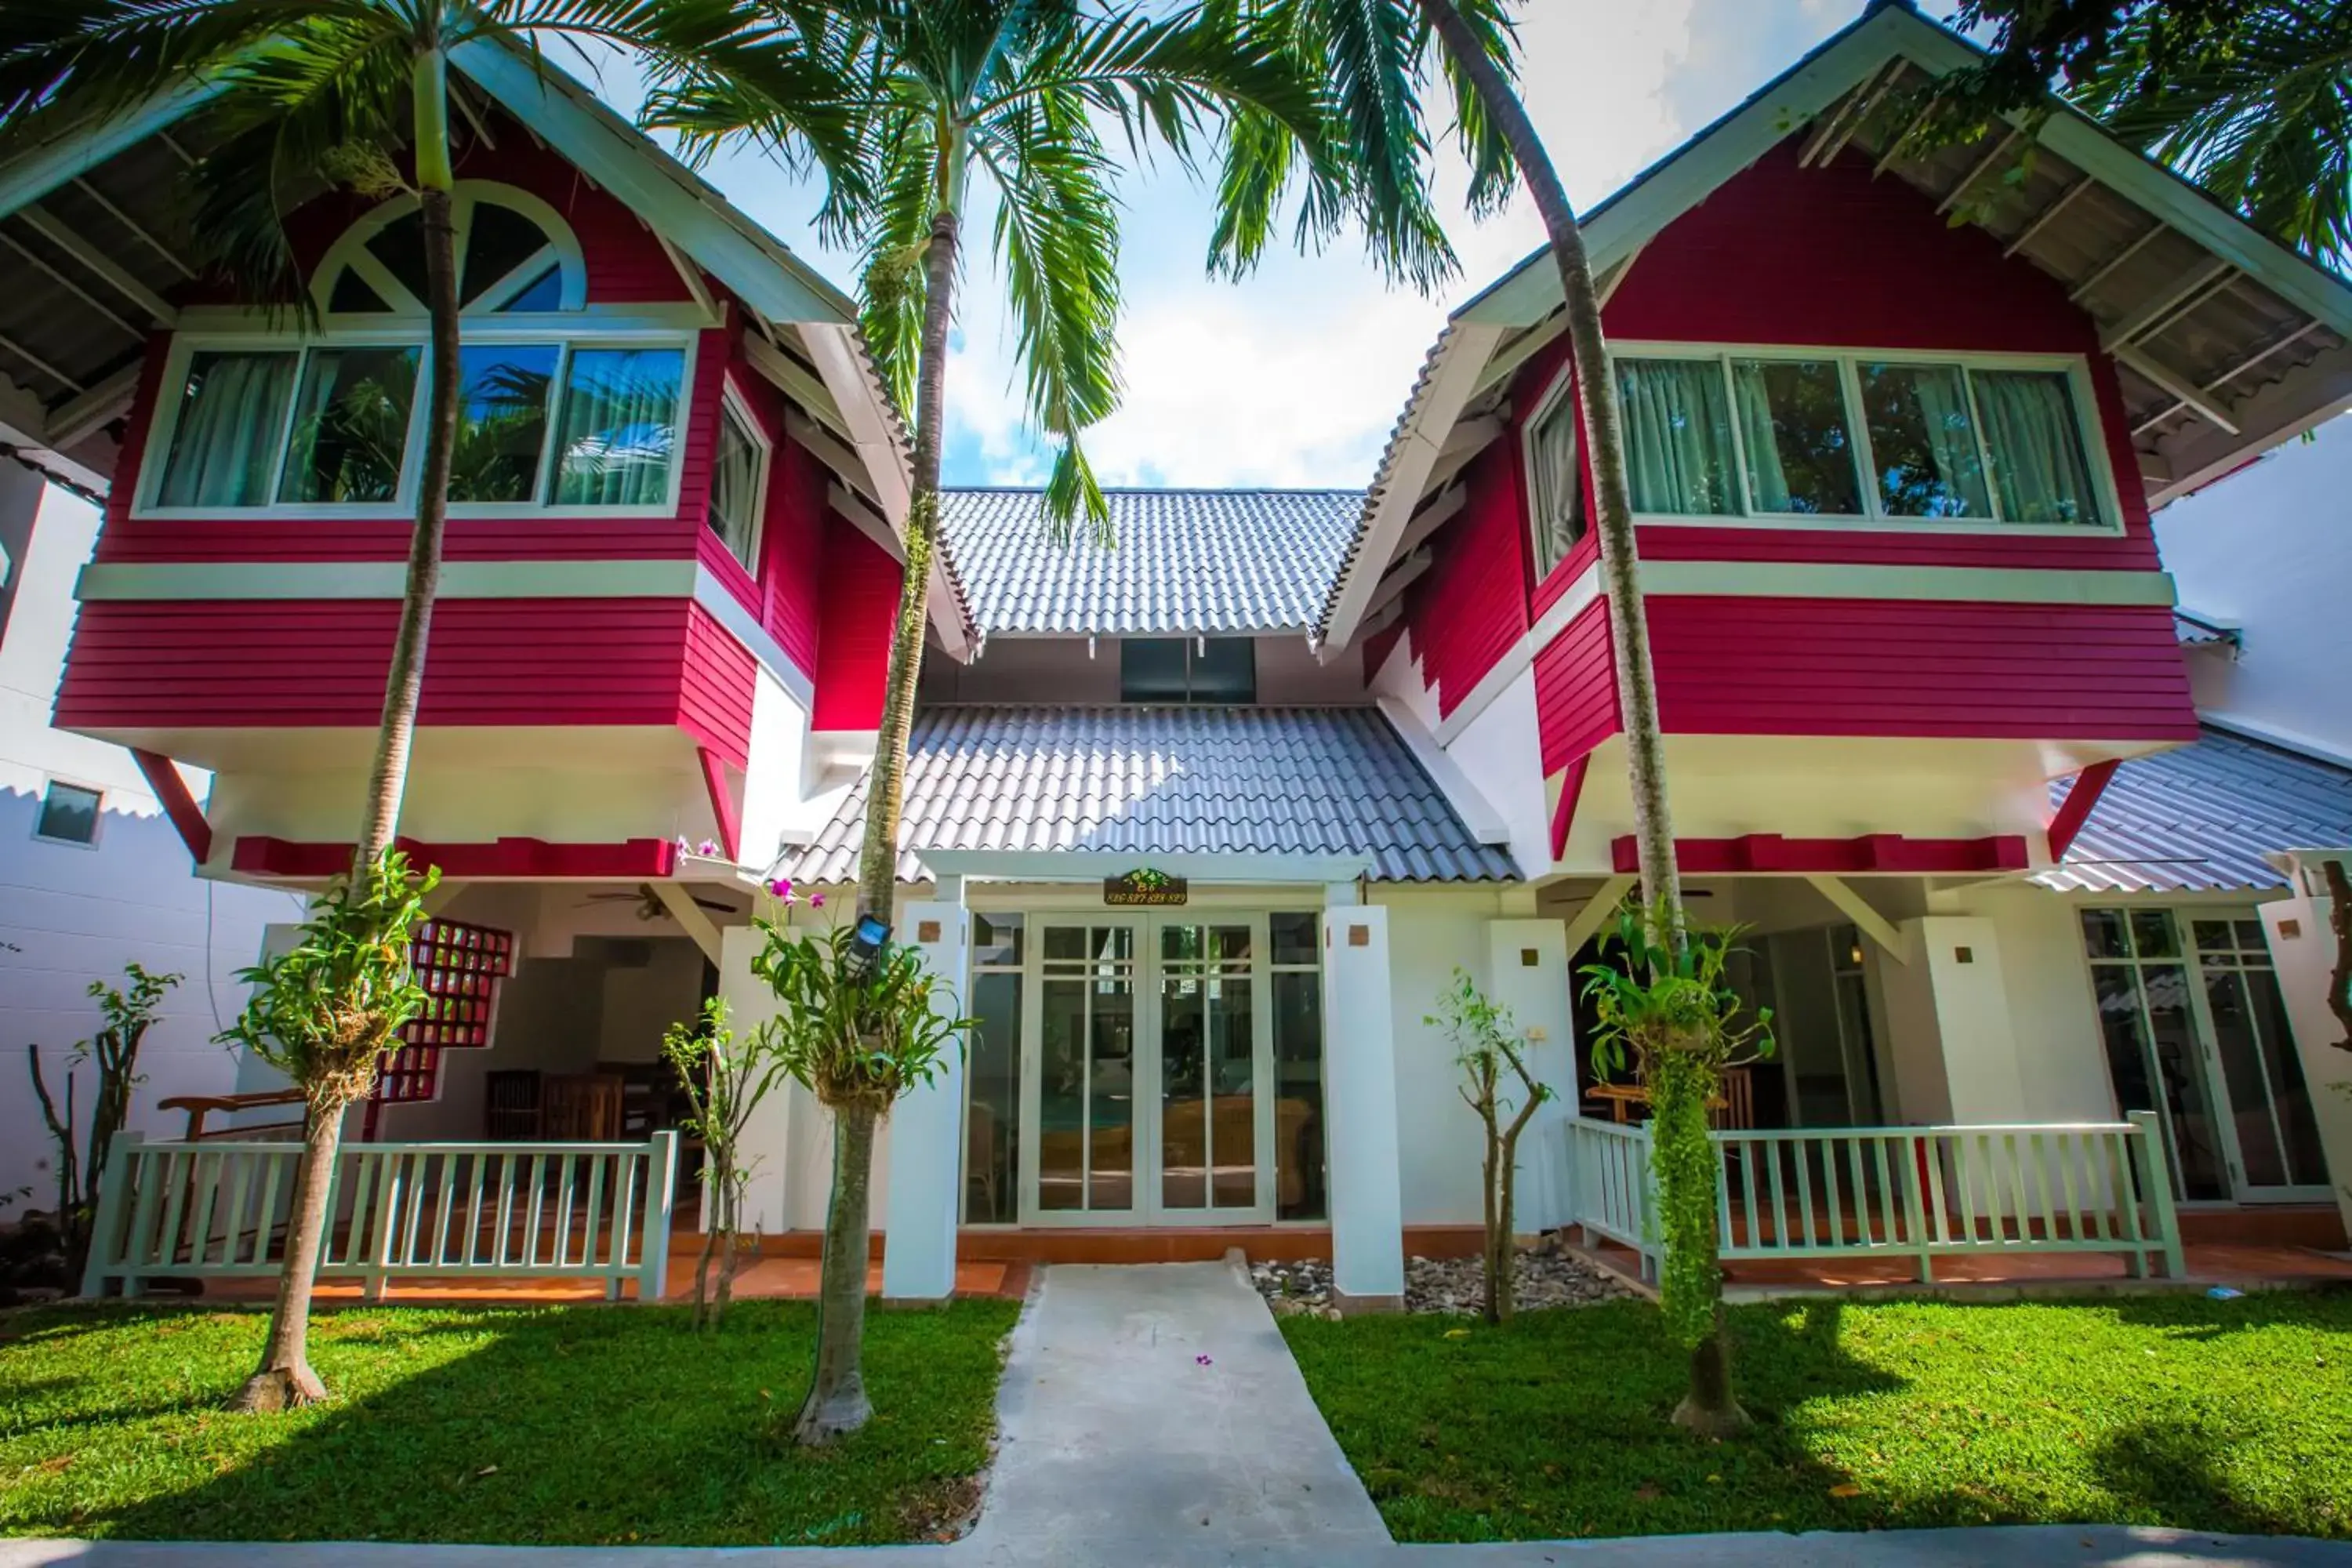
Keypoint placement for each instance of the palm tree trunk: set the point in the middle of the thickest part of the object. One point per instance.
(836, 1403)
(1711, 1394)
(388, 780)
(1604, 439)
(284, 1380)
(877, 866)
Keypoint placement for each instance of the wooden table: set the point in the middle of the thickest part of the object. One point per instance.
(199, 1106)
(1621, 1098)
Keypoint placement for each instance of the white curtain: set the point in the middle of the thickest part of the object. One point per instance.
(1558, 492)
(1677, 435)
(225, 447)
(734, 497)
(1924, 441)
(620, 426)
(1767, 479)
(2036, 447)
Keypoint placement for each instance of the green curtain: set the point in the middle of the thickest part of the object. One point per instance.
(1559, 488)
(1678, 449)
(224, 447)
(2036, 447)
(620, 426)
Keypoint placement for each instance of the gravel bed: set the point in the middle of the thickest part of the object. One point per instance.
(1547, 1276)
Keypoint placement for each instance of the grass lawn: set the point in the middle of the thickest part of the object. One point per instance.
(2144, 1410)
(571, 1425)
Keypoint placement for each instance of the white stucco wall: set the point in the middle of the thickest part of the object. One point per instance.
(2270, 550)
(70, 914)
(1439, 1140)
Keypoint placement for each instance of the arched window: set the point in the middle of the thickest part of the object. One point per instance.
(515, 253)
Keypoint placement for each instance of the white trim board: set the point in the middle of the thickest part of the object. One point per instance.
(1090, 865)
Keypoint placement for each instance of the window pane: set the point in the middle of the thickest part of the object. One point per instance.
(1151, 669)
(996, 939)
(225, 444)
(69, 814)
(355, 293)
(1225, 670)
(1558, 519)
(2153, 935)
(501, 421)
(1299, 1096)
(351, 426)
(544, 292)
(734, 487)
(1793, 423)
(2103, 935)
(400, 246)
(1294, 939)
(1924, 441)
(993, 1113)
(2036, 445)
(1677, 435)
(501, 240)
(620, 424)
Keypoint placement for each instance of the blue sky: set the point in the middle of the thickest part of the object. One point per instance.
(1294, 375)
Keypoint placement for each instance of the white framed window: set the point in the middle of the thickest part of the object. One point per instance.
(1555, 488)
(563, 407)
(1818, 437)
(69, 814)
(738, 481)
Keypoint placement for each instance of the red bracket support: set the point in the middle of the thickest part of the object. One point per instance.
(1563, 816)
(164, 777)
(2075, 809)
(723, 809)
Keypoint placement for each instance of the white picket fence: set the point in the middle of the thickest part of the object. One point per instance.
(1915, 1193)
(218, 1210)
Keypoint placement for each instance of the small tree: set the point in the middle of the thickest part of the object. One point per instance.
(857, 1039)
(1668, 1004)
(725, 1078)
(326, 1015)
(114, 1050)
(1487, 1042)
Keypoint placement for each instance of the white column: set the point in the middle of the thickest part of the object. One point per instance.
(1527, 960)
(922, 1204)
(766, 1146)
(1953, 1047)
(2302, 951)
(1359, 1097)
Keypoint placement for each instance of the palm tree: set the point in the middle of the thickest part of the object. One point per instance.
(1378, 58)
(310, 94)
(950, 96)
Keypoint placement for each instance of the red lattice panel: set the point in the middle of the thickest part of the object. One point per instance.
(459, 966)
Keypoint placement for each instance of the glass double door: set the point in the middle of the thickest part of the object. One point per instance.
(1146, 1070)
(2196, 1030)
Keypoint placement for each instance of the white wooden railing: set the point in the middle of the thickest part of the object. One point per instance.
(441, 1211)
(1913, 1193)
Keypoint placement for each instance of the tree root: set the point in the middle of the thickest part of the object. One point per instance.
(279, 1388)
(1712, 1421)
(821, 1425)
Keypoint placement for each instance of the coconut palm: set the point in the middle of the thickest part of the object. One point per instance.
(1382, 59)
(952, 98)
(309, 95)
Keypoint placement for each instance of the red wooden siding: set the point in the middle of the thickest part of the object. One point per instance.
(1849, 667)
(653, 662)
(853, 653)
(787, 596)
(1471, 606)
(1576, 688)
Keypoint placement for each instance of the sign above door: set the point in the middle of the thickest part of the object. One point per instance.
(1144, 888)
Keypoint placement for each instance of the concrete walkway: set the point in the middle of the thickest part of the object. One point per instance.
(1152, 1406)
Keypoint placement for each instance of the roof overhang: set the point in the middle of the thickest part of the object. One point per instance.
(2226, 342)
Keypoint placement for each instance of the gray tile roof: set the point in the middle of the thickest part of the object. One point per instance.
(1180, 560)
(1329, 780)
(2198, 819)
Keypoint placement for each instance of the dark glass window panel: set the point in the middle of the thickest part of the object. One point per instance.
(2212, 936)
(1225, 670)
(353, 294)
(2195, 1131)
(992, 1114)
(620, 426)
(1557, 499)
(734, 514)
(2103, 935)
(1799, 453)
(501, 240)
(1061, 1093)
(1065, 944)
(1297, 938)
(1181, 944)
(350, 424)
(2035, 444)
(544, 292)
(2240, 1048)
(2307, 1163)
(996, 939)
(2154, 935)
(1232, 1093)
(400, 246)
(2252, 940)
(69, 814)
(1922, 440)
(2125, 1034)
(1152, 670)
(1298, 1157)
(1110, 1085)
(1183, 1108)
(502, 420)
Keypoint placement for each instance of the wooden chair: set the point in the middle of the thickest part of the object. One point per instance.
(581, 1107)
(1735, 1111)
(511, 1105)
